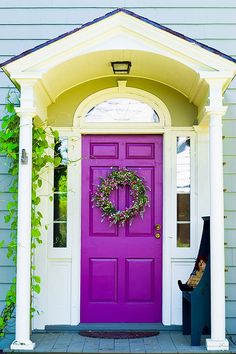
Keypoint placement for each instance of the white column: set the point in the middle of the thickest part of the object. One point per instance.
(217, 340)
(23, 293)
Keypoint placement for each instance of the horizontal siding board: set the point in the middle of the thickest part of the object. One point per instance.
(230, 182)
(230, 239)
(4, 165)
(5, 235)
(116, 3)
(14, 47)
(230, 308)
(229, 257)
(234, 257)
(229, 145)
(233, 84)
(230, 292)
(231, 325)
(5, 198)
(230, 113)
(224, 45)
(230, 220)
(229, 127)
(7, 93)
(230, 164)
(3, 225)
(4, 261)
(5, 182)
(230, 275)
(3, 291)
(4, 80)
(36, 32)
(7, 274)
(230, 201)
(206, 31)
(230, 96)
(83, 15)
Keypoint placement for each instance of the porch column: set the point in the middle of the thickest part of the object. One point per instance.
(23, 294)
(215, 111)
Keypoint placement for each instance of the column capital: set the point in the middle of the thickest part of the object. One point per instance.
(215, 110)
(209, 111)
(29, 112)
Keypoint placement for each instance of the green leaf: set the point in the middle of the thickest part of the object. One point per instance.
(7, 218)
(36, 288)
(36, 278)
(40, 183)
(57, 161)
(55, 133)
(36, 233)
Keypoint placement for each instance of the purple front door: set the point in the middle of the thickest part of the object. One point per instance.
(121, 277)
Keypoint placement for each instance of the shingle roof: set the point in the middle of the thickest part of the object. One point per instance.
(109, 14)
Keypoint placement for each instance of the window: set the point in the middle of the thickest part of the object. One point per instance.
(122, 110)
(60, 195)
(183, 178)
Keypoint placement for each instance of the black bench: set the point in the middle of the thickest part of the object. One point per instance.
(196, 310)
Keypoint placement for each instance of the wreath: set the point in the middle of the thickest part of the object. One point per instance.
(138, 192)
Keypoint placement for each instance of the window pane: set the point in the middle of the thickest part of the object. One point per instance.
(122, 110)
(60, 207)
(183, 164)
(183, 207)
(183, 179)
(60, 194)
(61, 150)
(59, 234)
(183, 235)
(60, 179)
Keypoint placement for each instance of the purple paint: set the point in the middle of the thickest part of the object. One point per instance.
(121, 278)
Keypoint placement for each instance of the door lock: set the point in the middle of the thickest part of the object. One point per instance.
(158, 227)
(158, 235)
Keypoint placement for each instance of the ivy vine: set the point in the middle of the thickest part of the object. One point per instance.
(41, 157)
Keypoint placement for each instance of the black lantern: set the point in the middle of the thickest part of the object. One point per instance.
(121, 67)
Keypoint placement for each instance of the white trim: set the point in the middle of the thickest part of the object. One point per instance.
(167, 230)
(121, 92)
(186, 252)
(74, 222)
(23, 289)
(74, 191)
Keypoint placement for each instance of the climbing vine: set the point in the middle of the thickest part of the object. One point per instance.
(9, 146)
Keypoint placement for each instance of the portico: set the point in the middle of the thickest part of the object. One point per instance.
(198, 73)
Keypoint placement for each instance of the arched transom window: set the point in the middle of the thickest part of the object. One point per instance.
(122, 110)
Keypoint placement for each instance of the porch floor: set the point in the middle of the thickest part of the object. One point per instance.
(165, 342)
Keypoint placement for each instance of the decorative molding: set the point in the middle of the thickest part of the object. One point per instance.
(126, 92)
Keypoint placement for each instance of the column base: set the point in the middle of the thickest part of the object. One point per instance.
(212, 344)
(16, 345)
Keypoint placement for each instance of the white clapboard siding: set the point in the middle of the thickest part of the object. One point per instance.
(27, 23)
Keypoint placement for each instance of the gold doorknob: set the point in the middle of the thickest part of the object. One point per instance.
(157, 235)
(158, 227)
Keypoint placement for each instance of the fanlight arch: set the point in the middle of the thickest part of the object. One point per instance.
(102, 107)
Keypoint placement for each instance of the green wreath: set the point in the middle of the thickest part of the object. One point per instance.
(116, 178)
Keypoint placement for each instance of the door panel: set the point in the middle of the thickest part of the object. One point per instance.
(121, 277)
